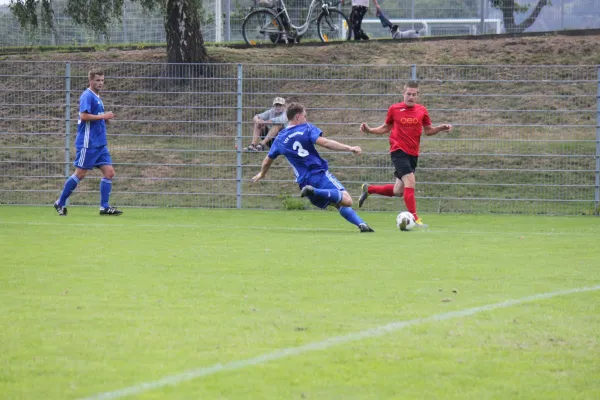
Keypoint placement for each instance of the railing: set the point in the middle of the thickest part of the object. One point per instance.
(526, 138)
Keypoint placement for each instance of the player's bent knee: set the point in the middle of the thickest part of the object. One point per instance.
(346, 200)
(345, 203)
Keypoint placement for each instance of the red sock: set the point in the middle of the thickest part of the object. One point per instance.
(409, 200)
(384, 190)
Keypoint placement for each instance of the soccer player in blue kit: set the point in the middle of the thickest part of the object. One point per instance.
(297, 144)
(91, 146)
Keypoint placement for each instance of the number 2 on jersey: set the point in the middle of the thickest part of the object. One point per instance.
(301, 151)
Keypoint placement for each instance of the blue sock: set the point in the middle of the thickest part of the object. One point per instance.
(334, 196)
(351, 215)
(105, 188)
(70, 185)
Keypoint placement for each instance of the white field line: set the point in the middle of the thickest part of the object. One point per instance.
(189, 375)
(349, 228)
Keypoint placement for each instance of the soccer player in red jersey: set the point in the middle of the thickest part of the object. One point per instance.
(406, 121)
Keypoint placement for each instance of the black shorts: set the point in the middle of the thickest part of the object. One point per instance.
(403, 163)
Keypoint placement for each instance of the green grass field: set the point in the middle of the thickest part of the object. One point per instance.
(230, 304)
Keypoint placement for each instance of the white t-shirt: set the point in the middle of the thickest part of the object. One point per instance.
(360, 3)
(277, 118)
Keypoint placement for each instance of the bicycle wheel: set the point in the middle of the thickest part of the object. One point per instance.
(262, 27)
(333, 25)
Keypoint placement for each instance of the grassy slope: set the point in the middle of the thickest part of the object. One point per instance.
(550, 49)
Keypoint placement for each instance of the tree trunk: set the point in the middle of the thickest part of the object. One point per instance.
(185, 44)
(508, 15)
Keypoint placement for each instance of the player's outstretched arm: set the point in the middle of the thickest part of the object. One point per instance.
(333, 145)
(380, 130)
(266, 164)
(430, 130)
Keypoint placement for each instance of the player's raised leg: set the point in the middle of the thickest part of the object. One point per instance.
(333, 196)
(383, 190)
(331, 192)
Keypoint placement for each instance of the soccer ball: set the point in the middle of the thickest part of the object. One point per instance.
(405, 221)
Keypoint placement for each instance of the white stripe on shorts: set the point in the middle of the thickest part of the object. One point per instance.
(86, 138)
(333, 180)
(81, 157)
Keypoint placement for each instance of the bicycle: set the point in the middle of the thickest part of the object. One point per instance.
(271, 23)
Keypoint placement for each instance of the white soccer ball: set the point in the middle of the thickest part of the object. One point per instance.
(405, 221)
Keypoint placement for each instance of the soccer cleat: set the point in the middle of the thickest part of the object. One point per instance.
(307, 191)
(364, 194)
(62, 211)
(110, 211)
(363, 35)
(419, 222)
(365, 228)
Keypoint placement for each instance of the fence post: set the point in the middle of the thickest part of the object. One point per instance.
(67, 118)
(218, 22)
(413, 72)
(597, 191)
(238, 139)
(482, 21)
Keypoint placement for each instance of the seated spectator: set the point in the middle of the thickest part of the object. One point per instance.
(267, 125)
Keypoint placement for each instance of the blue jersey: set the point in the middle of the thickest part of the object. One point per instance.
(90, 133)
(297, 145)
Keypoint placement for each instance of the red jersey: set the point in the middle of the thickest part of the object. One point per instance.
(407, 127)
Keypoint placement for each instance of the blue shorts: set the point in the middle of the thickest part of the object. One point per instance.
(322, 180)
(92, 157)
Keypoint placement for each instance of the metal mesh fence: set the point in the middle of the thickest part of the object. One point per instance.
(525, 138)
(222, 21)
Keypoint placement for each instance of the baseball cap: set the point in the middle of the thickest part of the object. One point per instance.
(279, 100)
